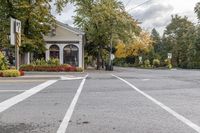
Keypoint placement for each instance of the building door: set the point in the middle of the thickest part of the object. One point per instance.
(71, 55)
(54, 51)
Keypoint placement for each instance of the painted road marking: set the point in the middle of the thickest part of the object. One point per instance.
(12, 90)
(16, 99)
(169, 110)
(145, 79)
(67, 117)
(71, 78)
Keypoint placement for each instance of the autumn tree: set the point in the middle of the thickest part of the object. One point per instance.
(120, 50)
(140, 45)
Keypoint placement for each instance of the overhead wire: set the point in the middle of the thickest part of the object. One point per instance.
(127, 3)
(139, 5)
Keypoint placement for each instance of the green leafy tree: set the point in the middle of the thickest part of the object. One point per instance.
(104, 22)
(36, 21)
(157, 42)
(3, 62)
(197, 10)
(176, 37)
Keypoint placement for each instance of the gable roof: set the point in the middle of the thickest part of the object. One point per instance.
(67, 27)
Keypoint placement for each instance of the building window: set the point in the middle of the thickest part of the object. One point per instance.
(54, 51)
(71, 55)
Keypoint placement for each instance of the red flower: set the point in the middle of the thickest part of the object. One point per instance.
(21, 73)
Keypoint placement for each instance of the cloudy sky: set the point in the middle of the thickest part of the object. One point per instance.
(152, 14)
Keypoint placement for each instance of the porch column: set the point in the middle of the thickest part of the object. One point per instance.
(61, 53)
(27, 58)
(47, 52)
(80, 46)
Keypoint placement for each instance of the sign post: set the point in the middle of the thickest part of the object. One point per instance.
(140, 59)
(169, 56)
(112, 57)
(16, 38)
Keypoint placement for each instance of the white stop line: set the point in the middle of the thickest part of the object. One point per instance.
(169, 110)
(65, 122)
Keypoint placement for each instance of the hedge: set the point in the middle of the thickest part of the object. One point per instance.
(49, 68)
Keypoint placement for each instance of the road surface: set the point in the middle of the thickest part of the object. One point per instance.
(127, 100)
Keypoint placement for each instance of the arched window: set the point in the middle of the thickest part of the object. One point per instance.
(54, 51)
(71, 55)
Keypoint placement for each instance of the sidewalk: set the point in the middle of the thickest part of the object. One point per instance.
(57, 75)
(44, 76)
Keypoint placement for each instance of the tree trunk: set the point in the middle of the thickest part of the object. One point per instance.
(102, 60)
(98, 60)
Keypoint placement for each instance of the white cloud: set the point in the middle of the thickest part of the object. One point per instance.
(66, 15)
(157, 13)
(153, 14)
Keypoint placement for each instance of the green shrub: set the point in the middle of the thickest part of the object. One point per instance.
(3, 62)
(79, 69)
(140, 64)
(51, 68)
(147, 64)
(43, 62)
(170, 66)
(10, 73)
(156, 63)
(125, 65)
(168, 63)
(39, 62)
(119, 61)
(54, 62)
(193, 65)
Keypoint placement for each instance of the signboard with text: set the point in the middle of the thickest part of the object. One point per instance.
(169, 55)
(15, 31)
(17, 26)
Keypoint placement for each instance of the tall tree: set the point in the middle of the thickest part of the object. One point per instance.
(35, 16)
(157, 43)
(176, 37)
(105, 22)
(197, 10)
(158, 50)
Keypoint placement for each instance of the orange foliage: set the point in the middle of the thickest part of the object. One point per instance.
(139, 45)
(121, 50)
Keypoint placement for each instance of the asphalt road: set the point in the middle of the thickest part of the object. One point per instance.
(127, 100)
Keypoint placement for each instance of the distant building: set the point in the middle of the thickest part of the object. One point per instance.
(66, 44)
